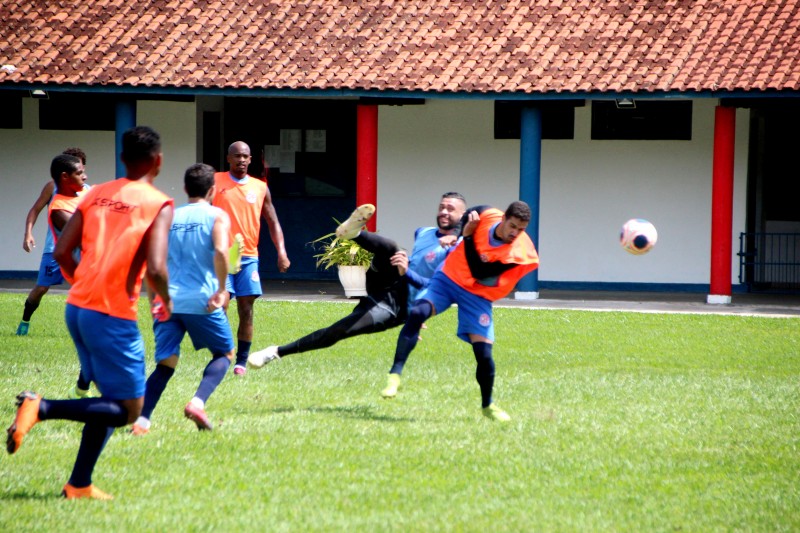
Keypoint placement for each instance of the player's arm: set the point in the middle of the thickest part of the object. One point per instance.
(477, 267)
(69, 241)
(156, 257)
(219, 236)
(28, 242)
(59, 218)
(275, 232)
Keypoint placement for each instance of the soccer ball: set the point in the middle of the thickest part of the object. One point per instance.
(638, 236)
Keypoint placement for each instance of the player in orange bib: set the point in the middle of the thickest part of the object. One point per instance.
(247, 200)
(121, 228)
(494, 255)
(69, 175)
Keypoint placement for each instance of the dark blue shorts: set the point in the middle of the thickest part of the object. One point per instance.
(247, 282)
(111, 352)
(49, 272)
(474, 312)
(210, 331)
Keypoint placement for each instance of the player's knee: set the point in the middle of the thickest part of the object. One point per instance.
(421, 311)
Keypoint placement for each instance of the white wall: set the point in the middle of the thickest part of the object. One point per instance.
(25, 157)
(588, 189)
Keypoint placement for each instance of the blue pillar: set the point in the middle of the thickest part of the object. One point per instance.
(125, 117)
(530, 170)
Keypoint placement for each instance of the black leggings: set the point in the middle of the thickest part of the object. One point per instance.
(374, 313)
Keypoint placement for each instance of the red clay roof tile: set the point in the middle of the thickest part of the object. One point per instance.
(536, 47)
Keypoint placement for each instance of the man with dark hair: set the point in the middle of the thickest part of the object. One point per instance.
(49, 272)
(247, 200)
(198, 267)
(494, 255)
(390, 278)
(102, 305)
(68, 173)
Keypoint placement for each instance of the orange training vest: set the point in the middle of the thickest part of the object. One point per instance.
(521, 252)
(116, 216)
(243, 203)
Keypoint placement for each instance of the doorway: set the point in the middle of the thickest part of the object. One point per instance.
(309, 150)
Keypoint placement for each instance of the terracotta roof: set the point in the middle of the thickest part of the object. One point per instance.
(480, 46)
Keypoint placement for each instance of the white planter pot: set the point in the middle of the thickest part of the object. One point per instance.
(354, 280)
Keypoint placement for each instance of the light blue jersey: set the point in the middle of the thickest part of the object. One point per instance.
(425, 258)
(192, 279)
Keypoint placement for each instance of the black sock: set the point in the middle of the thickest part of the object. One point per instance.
(242, 352)
(99, 411)
(27, 313)
(94, 439)
(409, 335)
(212, 376)
(484, 374)
(83, 383)
(154, 387)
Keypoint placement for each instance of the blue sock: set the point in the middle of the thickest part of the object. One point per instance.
(484, 374)
(409, 335)
(94, 439)
(242, 352)
(212, 376)
(154, 387)
(98, 411)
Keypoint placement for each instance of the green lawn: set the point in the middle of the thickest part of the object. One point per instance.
(620, 422)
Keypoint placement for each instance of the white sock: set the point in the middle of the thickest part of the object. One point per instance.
(143, 422)
(197, 402)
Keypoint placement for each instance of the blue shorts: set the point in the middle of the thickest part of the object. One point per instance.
(111, 352)
(206, 331)
(247, 282)
(49, 272)
(474, 312)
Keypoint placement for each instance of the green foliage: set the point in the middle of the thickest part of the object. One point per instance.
(344, 252)
(620, 422)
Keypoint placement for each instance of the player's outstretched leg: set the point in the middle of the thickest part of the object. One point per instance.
(351, 227)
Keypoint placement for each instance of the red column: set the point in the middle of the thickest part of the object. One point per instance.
(722, 204)
(367, 158)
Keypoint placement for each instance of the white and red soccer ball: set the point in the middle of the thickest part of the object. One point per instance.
(638, 236)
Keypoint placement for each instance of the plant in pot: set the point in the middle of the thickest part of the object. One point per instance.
(351, 260)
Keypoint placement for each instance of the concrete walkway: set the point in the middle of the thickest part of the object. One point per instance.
(774, 305)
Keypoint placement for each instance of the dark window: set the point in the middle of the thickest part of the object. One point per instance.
(11, 115)
(212, 139)
(558, 119)
(642, 120)
(81, 111)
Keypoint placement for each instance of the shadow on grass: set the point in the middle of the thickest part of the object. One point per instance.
(363, 412)
(29, 495)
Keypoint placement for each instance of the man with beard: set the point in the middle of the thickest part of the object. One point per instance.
(494, 254)
(390, 278)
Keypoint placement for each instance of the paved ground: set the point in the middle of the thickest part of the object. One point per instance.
(778, 305)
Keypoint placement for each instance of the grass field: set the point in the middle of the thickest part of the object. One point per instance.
(620, 422)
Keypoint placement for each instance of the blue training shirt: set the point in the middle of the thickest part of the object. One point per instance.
(425, 258)
(192, 279)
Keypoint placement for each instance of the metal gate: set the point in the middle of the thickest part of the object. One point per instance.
(770, 261)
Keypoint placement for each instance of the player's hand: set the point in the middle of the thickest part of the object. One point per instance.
(283, 262)
(446, 241)
(161, 311)
(472, 223)
(217, 300)
(400, 260)
(28, 243)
